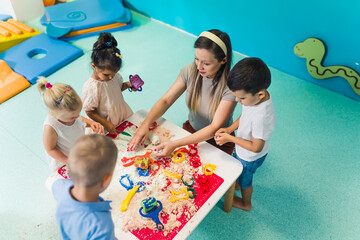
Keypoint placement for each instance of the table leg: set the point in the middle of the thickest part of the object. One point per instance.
(229, 196)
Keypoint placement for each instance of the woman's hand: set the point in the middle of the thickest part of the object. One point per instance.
(109, 127)
(139, 137)
(96, 127)
(165, 149)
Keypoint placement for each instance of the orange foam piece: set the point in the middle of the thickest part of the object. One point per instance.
(20, 25)
(93, 29)
(11, 83)
(10, 27)
(4, 32)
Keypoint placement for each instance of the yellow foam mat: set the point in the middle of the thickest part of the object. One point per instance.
(13, 32)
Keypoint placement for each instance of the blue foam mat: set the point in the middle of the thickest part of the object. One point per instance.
(83, 14)
(56, 54)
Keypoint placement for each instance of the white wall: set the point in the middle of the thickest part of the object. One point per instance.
(5, 7)
(22, 10)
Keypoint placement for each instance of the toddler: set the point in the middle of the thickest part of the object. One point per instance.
(102, 93)
(248, 81)
(81, 213)
(63, 125)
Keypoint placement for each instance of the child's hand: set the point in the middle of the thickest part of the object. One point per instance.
(127, 85)
(97, 127)
(110, 127)
(222, 138)
(221, 130)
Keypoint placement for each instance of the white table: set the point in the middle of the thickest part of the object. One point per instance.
(227, 168)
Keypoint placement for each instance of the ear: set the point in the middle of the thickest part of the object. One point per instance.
(93, 65)
(224, 60)
(106, 180)
(261, 94)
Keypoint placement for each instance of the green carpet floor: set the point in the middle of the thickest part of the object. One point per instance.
(308, 187)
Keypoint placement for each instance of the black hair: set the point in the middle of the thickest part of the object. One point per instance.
(249, 74)
(105, 54)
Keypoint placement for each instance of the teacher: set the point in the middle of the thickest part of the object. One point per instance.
(208, 98)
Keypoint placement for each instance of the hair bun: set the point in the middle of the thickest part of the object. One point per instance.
(107, 37)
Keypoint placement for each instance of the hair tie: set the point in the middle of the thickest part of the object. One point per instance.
(62, 96)
(215, 39)
(48, 85)
(118, 55)
(105, 45)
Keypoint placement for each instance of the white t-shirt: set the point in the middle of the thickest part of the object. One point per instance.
(256, 121)
(67, 136)
(106, 98)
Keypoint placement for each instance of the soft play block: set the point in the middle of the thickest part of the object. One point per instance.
(11, 83)
(84, 14)
(95, 31)
(4, 17)
(40, 56)
(13, 32)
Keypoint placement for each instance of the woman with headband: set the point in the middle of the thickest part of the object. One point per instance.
(208, 98)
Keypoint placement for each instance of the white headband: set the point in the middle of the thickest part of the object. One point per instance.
(215, 39)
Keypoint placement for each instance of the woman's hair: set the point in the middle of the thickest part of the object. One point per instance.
(219, 81)
(91, 158)
(59, 96)
(105, 54)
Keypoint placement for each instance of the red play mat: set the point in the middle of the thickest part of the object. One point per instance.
(214, 182)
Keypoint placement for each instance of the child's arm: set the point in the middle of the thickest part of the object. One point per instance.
(229, 129)
(95, 126)
(255, 145)
(50, 138)
(126, 85)
(97, 118)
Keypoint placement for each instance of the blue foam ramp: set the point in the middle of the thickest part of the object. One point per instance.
(24, 58)
(84, 14)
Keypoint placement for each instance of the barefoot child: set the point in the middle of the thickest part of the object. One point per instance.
(81, 213)
(102, 93)
(63, 125)
(248, 81)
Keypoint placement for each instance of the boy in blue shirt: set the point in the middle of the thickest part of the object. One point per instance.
(81, 213)
(248, 81)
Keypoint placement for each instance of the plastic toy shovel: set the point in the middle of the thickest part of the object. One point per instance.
(154, 215)
(121, 132)
(125, 133)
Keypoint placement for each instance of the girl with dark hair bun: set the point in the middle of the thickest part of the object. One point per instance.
(102, 95)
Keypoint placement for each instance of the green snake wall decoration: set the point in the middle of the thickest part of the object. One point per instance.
(313, 50)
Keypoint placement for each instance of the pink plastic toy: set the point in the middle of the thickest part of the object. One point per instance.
(136, 82)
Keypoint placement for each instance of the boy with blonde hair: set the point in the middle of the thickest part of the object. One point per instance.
(248, 81)
(81, 213)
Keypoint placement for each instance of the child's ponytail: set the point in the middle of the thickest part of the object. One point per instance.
(58, 96)
(105, 53)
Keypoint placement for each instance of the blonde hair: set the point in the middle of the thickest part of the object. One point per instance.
(220, 79)
(91, 158)
(58, 96)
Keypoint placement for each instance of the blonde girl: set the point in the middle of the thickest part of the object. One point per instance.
(208, 98)
(63, 124)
